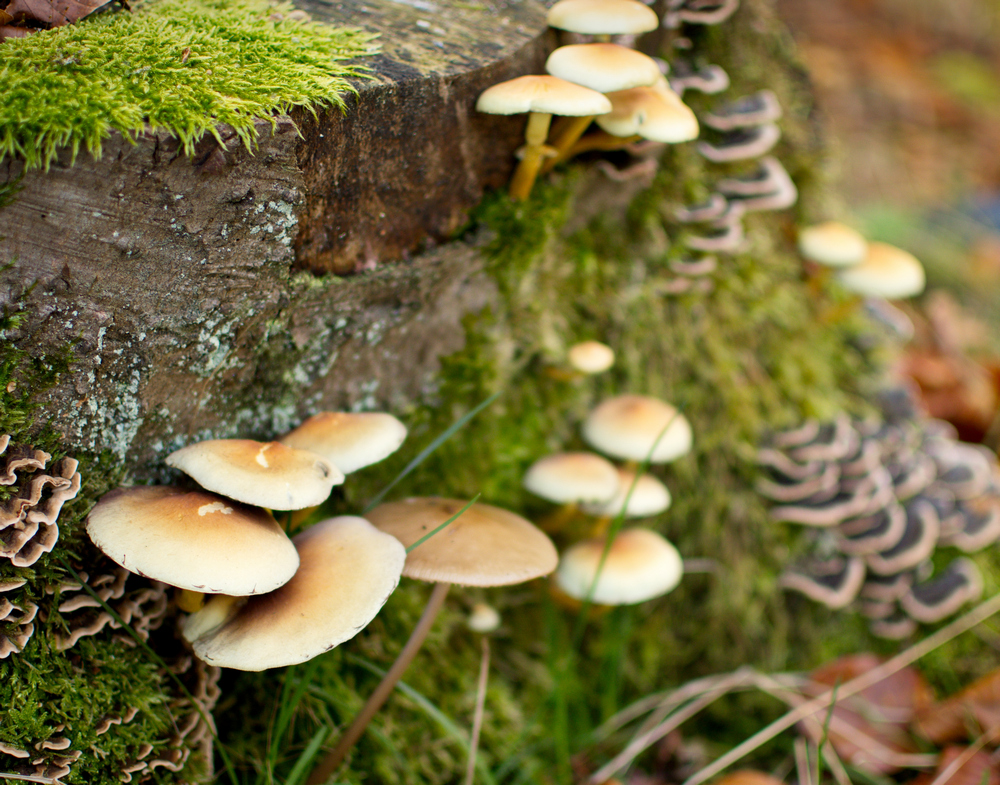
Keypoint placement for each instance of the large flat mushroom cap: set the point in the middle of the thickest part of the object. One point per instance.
(348, 570)
(568, 477)
(194, 540)
(656, 114)
(887, 271)
(546, 94)
(640, 565)
(603, 67)
(485, 546)
(348, 440)
(627, 426)
(267, 474)
(603, 17)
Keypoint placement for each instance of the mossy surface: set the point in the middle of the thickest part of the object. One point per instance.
(180, 65)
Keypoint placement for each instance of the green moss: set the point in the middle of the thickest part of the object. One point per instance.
(180, 65)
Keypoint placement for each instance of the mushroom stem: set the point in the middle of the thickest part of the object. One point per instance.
(190, 601)
(602, 140)
(477, 719)
(567, 136)
(558, 519)
(375, 701)
(534, 153)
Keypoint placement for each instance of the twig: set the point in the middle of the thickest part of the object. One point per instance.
(477, 717)
(835, 764)
(802, 770)
(644, 740)
(982, 611)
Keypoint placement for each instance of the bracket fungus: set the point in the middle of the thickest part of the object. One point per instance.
(347, 571)
(541, 97)
(265, 474)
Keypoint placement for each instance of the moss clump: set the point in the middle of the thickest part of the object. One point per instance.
(180, 65)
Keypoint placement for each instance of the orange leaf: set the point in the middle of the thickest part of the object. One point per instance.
(972, 711)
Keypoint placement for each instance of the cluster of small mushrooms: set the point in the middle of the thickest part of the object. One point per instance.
(639, 564)
(884, 497)
(624, 91)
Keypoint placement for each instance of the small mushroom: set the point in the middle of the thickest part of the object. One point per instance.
(348, 440)
(634, 427)
(602, 17)
(640, 565)
(886, 271)
(591, 357)
(832, 244)
(636, 497)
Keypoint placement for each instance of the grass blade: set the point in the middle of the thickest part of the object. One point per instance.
(312, 749)
(435, 530)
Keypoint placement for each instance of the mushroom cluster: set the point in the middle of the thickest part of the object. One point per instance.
(640, 564)
(224, 541)
(883, 497)
(621, 89)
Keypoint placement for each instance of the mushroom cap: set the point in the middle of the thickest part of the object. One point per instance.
(627, 426)
(542, 94)
(648, 497)
(591, 356)
(569, 477)
(267, 474)
(603, 17)
(603, 67)
(887, 271)
(833, 244)
(348, 570)
(485, 546)
(348, 440)
(656, 114)
(483, 618)
(640, 565)
(194, 540)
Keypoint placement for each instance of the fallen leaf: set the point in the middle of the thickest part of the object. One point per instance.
(52, 13)
(977, 770)
(967, 713)
(748, 777)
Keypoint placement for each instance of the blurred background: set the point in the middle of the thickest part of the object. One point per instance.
(909, 94)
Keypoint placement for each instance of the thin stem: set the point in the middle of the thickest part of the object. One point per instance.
(566, 138)
(375, 701)
(477, 717)
(982, 611)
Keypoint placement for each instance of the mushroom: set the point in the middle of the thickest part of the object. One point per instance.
(569, 478)
(886, 271)
(541, 97)
(591, 357)
(347, 571)
(602, 18)
(348, 440)
(639, 566)
(263, 474)
(483, 618)
(639, 496)
(480, 545)
(193, 540)
(638, 427)
(832, 244)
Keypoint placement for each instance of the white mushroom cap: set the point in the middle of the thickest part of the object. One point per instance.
(483, 618)
(542, 94)
(833, 244)
(603, 17)
(627, 426)
(348, 440)
(655, 114)
(591, 356)
(603, 67)
(267, 474)
(887, 271)
(348, 570)
(196, 541)
(648, 497)
(485, 546)
(570, 477)
(640, 565)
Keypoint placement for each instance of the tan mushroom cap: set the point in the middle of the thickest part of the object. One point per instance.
(546, 94)
(640, 565)
(194, 540)
(603, 17)
(267, 474)
(603, 67)
(833, 244)
(348, 570)
(591, 356)
(485, 546)
(656, 114)
(569, 477)
(627, 426)
(348, 440)
(648, 497)
(887, 271)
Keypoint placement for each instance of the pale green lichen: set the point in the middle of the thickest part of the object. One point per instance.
(180, 65)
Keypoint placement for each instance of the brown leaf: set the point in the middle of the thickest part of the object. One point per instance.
(882, 712)
(748, 777)
(974, 710)
(969, 773)
(52, 13)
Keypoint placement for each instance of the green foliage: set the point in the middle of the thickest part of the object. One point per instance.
(180, 65)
